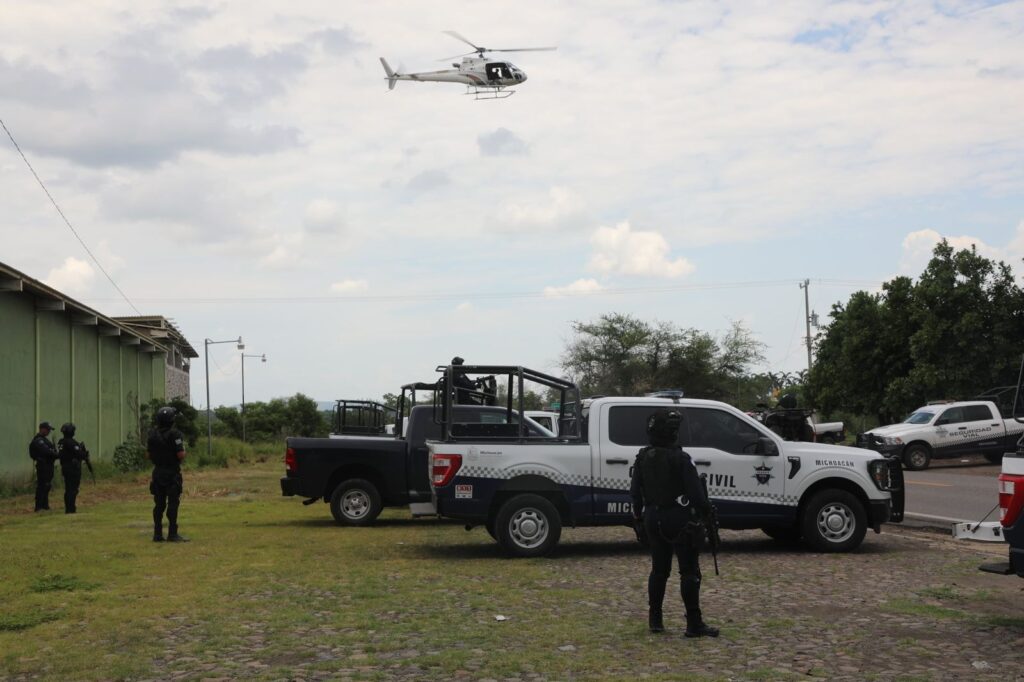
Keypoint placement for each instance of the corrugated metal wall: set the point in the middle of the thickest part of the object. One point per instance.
(53, 369)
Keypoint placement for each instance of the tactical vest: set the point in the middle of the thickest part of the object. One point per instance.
(662, 474)
(163, 446)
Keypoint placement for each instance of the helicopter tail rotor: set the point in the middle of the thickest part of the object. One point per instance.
(392, 75)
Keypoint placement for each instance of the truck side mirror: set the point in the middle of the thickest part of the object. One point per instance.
(766, 446)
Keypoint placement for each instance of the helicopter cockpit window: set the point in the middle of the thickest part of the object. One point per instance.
(498, 71)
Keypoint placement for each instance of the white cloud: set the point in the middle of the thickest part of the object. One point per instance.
(350, 286)
(580, 287)
(918, 247)
(74, 277)
(622, 250)
(323, 215)
(559, 204)
(464, 308)
(501, 142)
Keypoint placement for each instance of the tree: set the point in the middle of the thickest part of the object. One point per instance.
(953, 334)
(621, 355)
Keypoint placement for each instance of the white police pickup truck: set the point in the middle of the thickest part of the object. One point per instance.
(972, 427)
(525, 490)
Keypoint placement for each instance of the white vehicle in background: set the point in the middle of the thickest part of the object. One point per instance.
(549, 420)
(971, 427)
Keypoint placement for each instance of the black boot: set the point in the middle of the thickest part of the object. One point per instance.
(654, 621)
(696, 627)
(655, 599)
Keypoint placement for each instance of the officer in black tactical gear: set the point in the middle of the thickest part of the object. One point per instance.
(44, 453)
(669, 499)
(165, 447)
(463, 386)
(71, 454)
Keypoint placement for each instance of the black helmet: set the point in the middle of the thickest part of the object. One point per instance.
(457, 360)
(165, 416)
(787, 401)
(68, 430)
(663, 425)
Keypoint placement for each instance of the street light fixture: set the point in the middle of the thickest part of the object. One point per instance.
(263, 358)
(209, 423)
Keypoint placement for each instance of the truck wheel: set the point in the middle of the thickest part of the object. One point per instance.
(916, 457)
(833, 521)
(784, 535)
(994, 457)
(528, 525)
(355, 502)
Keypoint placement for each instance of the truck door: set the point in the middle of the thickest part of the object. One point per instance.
(626, 429)
(744, 482)
(985, 432)
(950, 432)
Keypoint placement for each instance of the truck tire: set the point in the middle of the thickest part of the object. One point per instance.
(528, 525)
(784, 535)
(994, 457)
(355, 502)
(917, 457)
(833, 521)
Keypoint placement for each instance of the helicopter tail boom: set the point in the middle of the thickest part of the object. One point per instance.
(392, 76)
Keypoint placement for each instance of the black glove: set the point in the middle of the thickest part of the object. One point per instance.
(640, 530)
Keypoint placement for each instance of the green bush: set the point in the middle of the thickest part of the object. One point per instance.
(224, 451)
(129, 456)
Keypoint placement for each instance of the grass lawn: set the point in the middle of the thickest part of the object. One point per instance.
(269, 589)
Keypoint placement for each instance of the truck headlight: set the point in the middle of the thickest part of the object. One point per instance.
(892, 440)
(880, 474)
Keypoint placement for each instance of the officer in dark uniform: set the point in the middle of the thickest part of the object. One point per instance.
(464, 386)
(71, 454)
(669, 498)
(165, 447)
(43, 452)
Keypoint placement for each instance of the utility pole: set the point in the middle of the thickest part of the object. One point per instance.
(807, 318)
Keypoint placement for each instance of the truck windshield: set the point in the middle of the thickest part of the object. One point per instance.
(920, 417)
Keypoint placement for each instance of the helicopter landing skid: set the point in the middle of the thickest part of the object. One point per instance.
(488, 93)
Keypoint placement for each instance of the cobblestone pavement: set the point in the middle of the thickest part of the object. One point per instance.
(910, 605)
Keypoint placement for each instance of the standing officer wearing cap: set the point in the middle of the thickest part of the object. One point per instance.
(463, 386)
(669, 497)
(72, 454)
(165, 447)
(42, 450)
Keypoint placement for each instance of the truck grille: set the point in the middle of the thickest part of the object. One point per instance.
(868, 440)
(896, 489)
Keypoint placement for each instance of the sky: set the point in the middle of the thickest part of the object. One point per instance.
(243, 169)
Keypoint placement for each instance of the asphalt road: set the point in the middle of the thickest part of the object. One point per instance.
(953, 490)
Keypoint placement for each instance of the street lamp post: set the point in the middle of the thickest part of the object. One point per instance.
(209, 423)
(263, 358)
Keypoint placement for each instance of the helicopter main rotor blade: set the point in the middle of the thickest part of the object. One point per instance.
(457, 36)
(444, 59)
(524, 49)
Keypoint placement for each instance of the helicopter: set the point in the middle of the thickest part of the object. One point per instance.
(484, 78)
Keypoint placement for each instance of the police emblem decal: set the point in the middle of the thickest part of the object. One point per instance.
(763, 474)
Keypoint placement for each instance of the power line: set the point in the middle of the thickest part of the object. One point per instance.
(66, 221)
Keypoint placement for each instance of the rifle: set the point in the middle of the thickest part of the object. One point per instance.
(711, 524)
(88, 463)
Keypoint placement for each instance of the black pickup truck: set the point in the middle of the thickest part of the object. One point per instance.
(360, 475)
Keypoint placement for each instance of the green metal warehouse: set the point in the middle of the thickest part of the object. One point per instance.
(63, 361)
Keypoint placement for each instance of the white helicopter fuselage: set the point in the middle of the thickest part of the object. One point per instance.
(473, 71)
